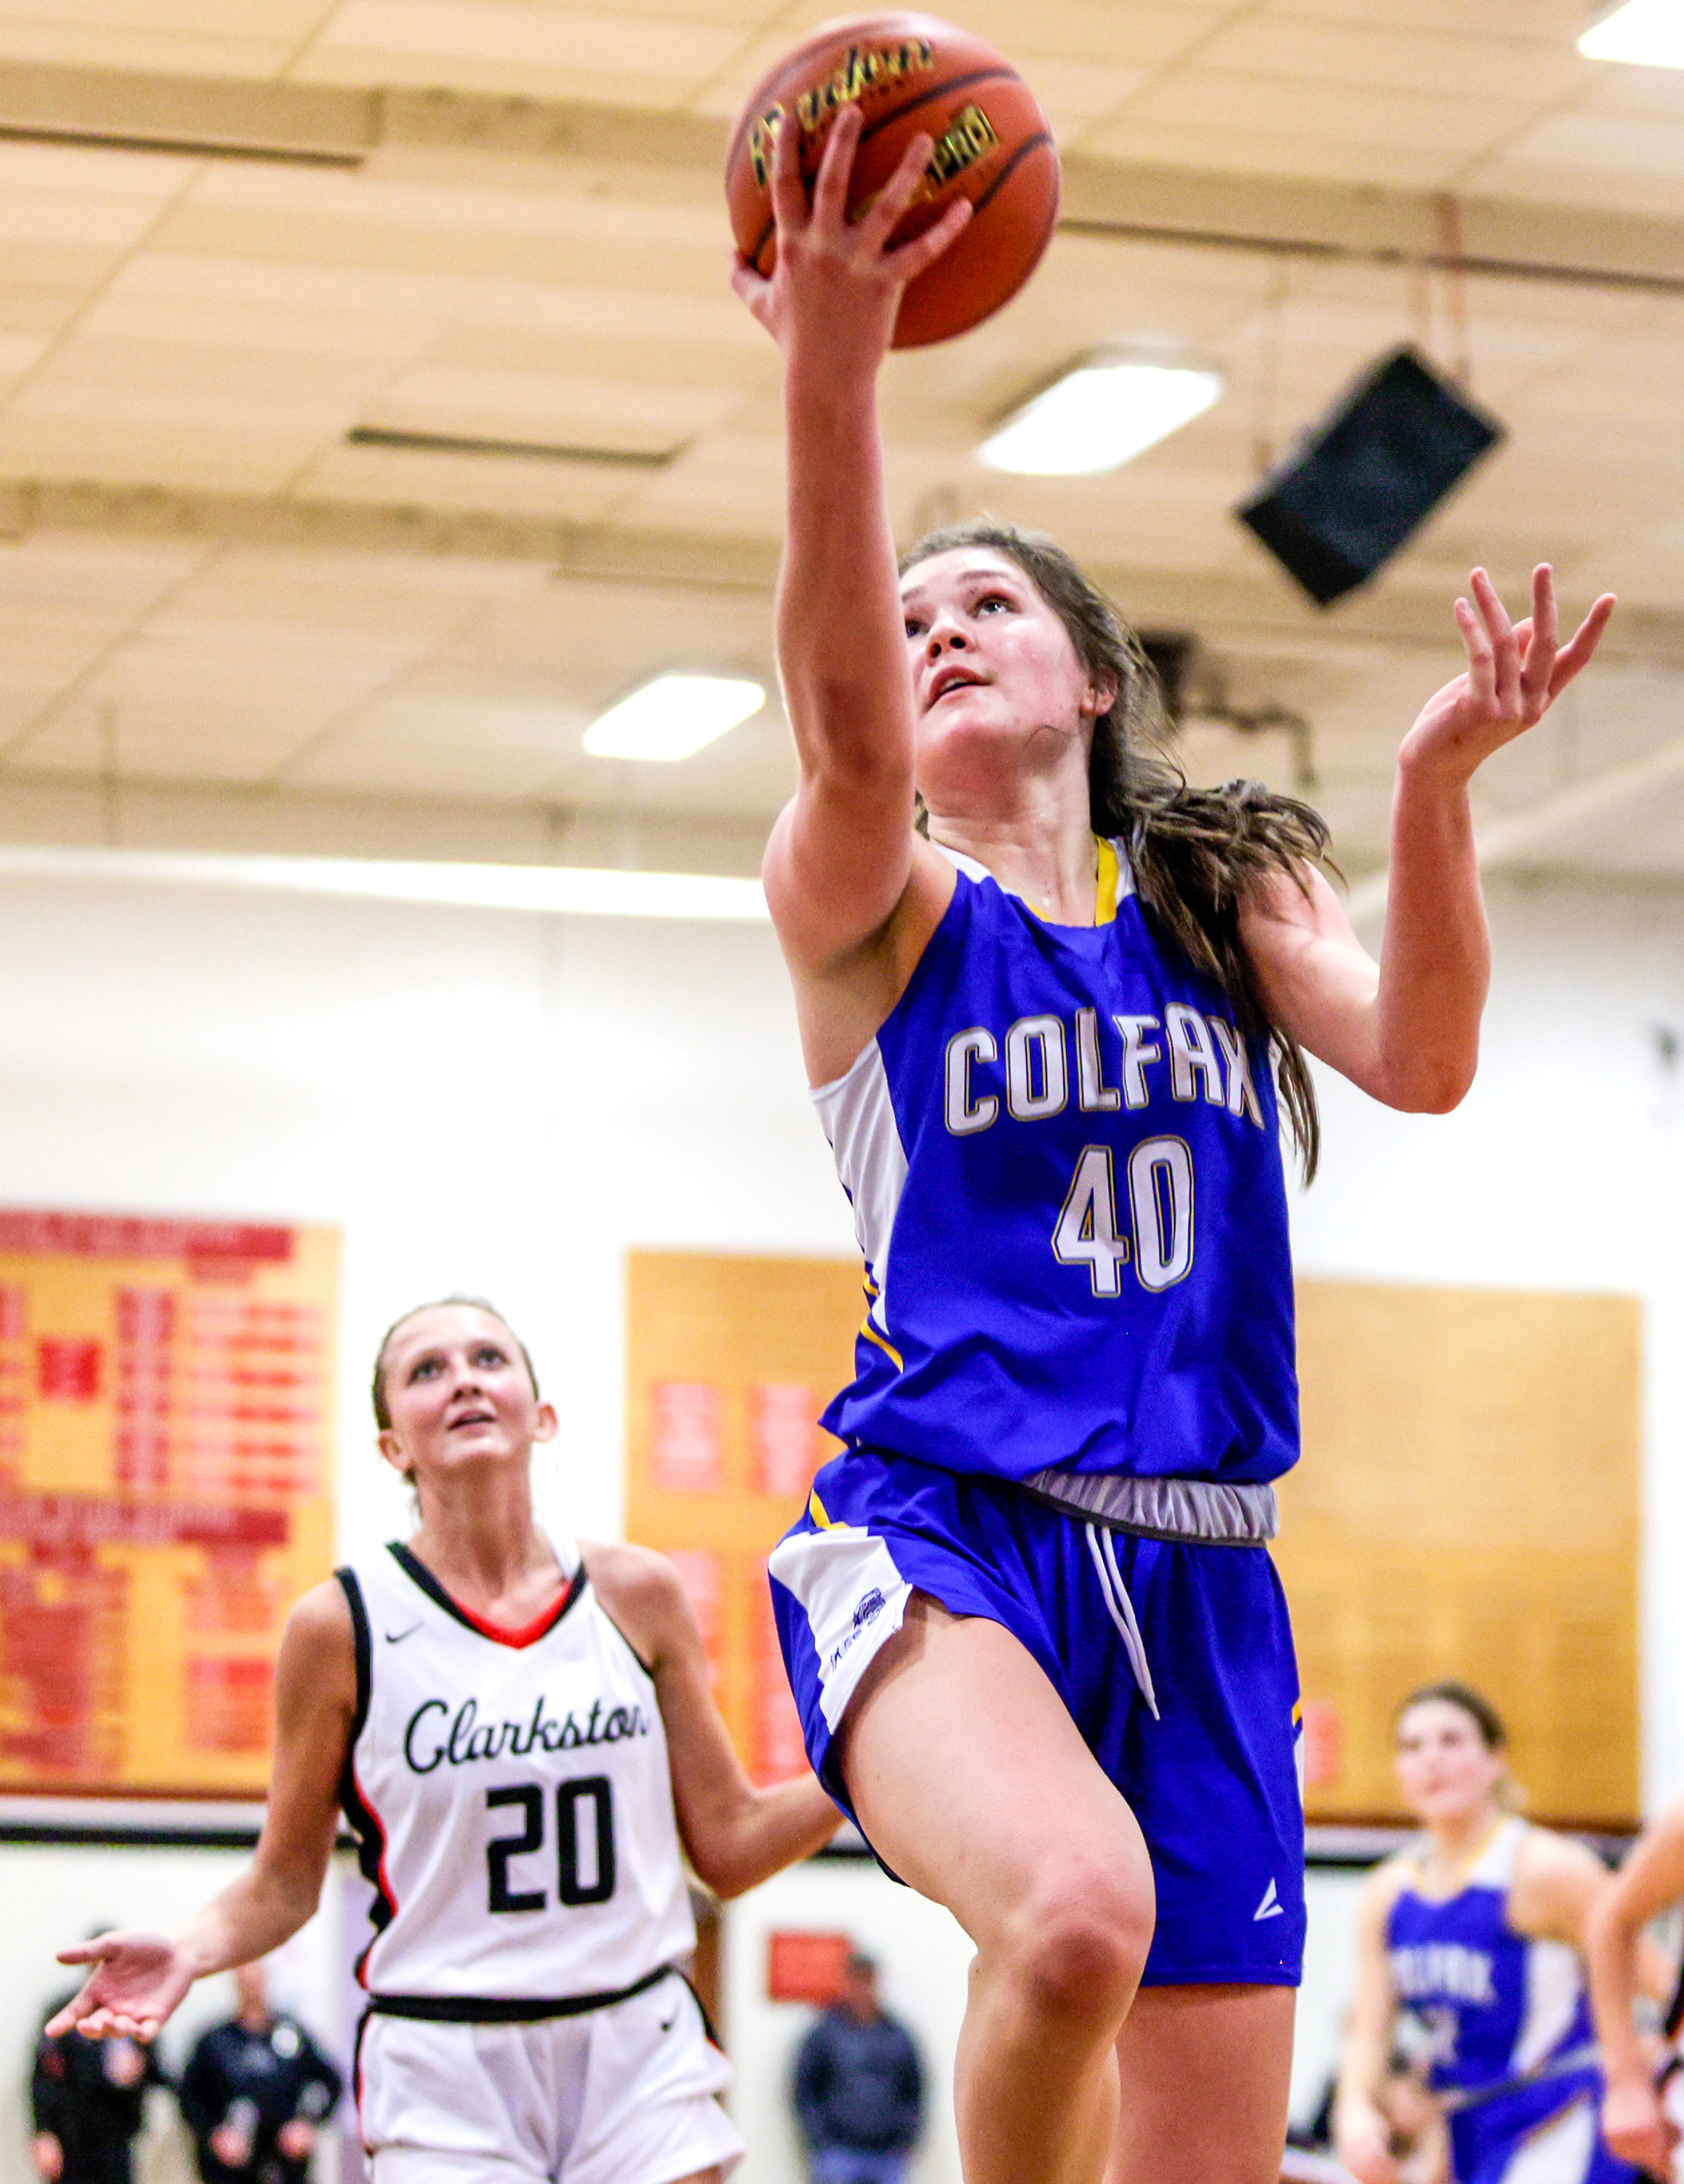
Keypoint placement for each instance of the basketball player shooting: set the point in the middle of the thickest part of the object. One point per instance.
(522, 1732)
(1030, 1619)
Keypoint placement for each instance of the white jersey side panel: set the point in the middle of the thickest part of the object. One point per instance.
(512, 1794)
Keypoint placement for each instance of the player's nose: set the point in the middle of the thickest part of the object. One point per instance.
(946, 633)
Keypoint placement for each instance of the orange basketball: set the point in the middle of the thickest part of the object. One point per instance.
(911, 73)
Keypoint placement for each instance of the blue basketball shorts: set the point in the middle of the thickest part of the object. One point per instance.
(1174, 1660)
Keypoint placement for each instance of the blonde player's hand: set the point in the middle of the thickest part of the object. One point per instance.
(1636, 2127)
(137, 1978)
(1363, 2141)
(1516, 672)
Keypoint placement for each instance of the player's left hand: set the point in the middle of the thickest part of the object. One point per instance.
(1516, 672)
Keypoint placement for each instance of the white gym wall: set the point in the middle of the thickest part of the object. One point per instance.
(507, 1102)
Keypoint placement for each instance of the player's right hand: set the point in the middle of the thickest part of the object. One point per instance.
(1363, 2142)
(1637, 2127)
(836, 286)
(137, 1978)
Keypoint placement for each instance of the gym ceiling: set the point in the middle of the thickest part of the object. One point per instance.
(374, 408)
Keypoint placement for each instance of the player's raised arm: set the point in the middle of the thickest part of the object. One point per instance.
(735, 1834)
(137, 1978)
(1407, 1029)
(843, 853)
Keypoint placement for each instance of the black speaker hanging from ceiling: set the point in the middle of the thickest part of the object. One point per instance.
(1358, 484)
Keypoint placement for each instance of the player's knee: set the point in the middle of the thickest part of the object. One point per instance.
(1082, 1945)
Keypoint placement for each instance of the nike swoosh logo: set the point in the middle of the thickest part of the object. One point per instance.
(397, 1637)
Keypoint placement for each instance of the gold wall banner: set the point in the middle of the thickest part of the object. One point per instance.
(166, 1451)
(1467, 1506)
(731, 1359)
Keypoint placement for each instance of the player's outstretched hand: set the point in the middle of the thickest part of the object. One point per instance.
(1515, 672)
(137, 1978)
(1637, 2127)
(836, 286)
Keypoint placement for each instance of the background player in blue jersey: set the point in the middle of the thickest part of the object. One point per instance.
(1476, 1934)
(1030, 1619)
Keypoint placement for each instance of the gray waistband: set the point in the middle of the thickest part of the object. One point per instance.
(1240, 1516)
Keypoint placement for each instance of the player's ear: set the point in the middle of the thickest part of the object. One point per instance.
(1099, 698)
(548, 1425)
(392, 1449)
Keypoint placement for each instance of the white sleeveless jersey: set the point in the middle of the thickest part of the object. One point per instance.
(512, 1796)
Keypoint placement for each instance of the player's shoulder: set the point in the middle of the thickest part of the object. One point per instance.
(1543, 1856)
(624, 1574)
(318, 1647)
(1388, 1880)
(321, 1613)
(641, 1591)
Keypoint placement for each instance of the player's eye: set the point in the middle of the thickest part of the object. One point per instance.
(994, 599)
(423, 1368)
(490, 1357)
(914, 628)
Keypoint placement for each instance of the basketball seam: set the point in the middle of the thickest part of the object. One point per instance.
(1030, 144)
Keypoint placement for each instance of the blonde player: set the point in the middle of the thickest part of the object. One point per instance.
(522, 1732)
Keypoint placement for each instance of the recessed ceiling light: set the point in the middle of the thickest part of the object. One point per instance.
(672, 716)
(1103, 411)
(1649, 32)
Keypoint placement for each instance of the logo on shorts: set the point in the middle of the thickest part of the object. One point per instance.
(869, 1608)
(1271, 1907)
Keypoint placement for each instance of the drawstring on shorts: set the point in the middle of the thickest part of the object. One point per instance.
(1121, 1609)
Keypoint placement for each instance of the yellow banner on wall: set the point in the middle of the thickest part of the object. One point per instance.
(167, 1464)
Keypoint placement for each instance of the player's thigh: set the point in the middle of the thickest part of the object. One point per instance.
(1204, 2076)
(973, 1784)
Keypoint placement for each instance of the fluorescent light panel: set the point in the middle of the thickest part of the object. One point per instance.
(1099, 416)
(672, 716)
(1647, 32)
(551, 890)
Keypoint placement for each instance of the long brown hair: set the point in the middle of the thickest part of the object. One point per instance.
(1194, 852)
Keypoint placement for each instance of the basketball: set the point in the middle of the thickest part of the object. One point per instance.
(911, 74)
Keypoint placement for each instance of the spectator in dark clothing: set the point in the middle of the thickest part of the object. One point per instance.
(859, 2090)
(87, 2099)
(254, 2090)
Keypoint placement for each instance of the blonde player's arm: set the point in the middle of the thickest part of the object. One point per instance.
(1361, 2131)
(733, 1834)
(137, 1978)
(1634, 2122)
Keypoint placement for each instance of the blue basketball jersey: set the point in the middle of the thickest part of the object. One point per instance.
(1495, 2006)
(1065, 1168)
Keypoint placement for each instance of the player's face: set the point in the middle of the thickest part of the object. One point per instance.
(1445, 1768)
(459, 1394)
(997, 684)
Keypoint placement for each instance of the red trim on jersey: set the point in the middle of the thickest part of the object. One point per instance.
(528, 1634)
(381, 1880)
